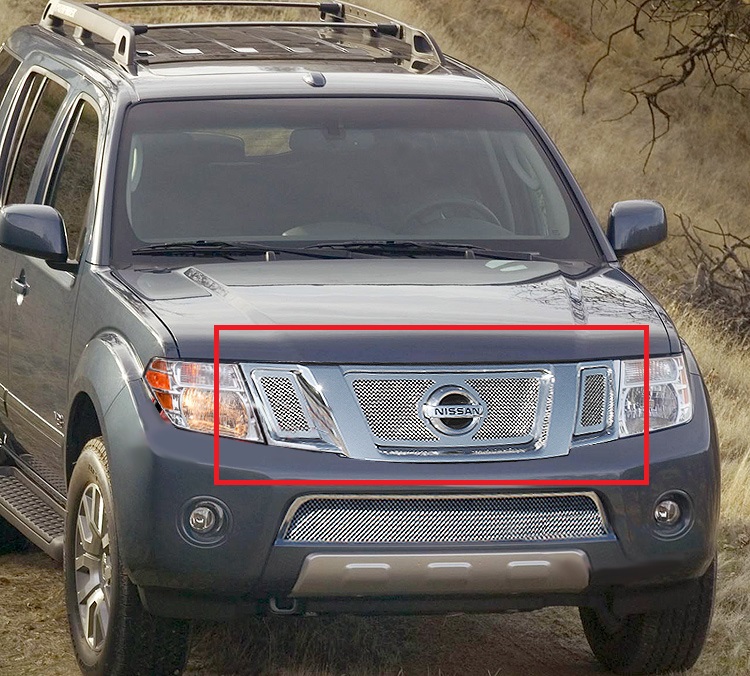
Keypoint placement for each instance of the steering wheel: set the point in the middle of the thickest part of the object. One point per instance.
(439, 209)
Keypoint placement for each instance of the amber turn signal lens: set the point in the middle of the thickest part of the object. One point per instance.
(165, 400)
(157, 380)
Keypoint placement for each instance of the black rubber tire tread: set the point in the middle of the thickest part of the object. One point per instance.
(656, 642)
(137, 643)
(11, 539)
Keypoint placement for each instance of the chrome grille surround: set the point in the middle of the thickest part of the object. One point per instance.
(292, 408)
(337, 423)
(518, 407)
(467, 519)
(450, 451)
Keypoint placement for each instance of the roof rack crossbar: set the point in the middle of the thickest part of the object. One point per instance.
(319, 6)
(383, 28)
(89, 19)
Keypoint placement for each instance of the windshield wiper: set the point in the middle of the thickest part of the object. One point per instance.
(204, 247)
(427, 247)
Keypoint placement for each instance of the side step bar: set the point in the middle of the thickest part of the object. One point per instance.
(28, 508)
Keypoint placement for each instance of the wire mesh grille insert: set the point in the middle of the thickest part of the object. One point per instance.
(390, 407)
(417, 519)
(596, 400)
(284, 402)
(511, 404)
(512, 409)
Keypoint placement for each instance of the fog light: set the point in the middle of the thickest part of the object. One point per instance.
(667, 513)
(203, 519)
(204, 522)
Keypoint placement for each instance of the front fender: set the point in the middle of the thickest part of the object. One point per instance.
(108, 363)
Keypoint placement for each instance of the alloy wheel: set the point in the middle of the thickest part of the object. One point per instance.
(93, 567)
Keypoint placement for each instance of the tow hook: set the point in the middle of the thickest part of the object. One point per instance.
(284, 606)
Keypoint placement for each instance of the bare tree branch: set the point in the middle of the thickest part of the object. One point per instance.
(711, 37)
(721, 278)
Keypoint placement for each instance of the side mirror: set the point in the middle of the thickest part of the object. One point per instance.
(34, 230)
(635, 225)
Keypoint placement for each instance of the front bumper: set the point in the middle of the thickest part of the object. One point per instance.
(157, 469)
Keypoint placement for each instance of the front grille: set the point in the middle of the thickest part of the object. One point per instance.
(596, 400)
(284, 402)
(517, 404)
(390, 407)
(464, 519)
(512, 406)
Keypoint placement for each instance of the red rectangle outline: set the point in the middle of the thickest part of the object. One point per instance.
(218, 328)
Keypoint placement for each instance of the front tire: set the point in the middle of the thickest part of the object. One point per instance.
(658, 641)
(113, 635)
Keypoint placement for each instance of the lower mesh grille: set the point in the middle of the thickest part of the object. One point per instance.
(469, 519)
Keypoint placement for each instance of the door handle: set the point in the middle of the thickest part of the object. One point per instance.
(19, 286)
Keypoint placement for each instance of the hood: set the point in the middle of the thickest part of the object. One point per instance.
(192, 300)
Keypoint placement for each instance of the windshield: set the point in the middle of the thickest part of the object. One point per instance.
(294, 173)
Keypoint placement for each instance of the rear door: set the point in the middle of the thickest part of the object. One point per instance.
(31, 432)
(17, 91)
(8, 68)
(66, 127)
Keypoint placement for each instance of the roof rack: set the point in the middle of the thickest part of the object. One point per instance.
(89, 20)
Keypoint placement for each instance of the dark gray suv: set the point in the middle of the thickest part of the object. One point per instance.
(161, 181)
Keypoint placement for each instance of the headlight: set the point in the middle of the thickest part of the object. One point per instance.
(185, 392)
(670, 402)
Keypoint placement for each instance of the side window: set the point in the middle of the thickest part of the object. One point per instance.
(73, 182)
(33, 136)
(8, 67)
(19, 116)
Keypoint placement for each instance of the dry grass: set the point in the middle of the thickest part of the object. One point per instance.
(701, 169)
(725, 364)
